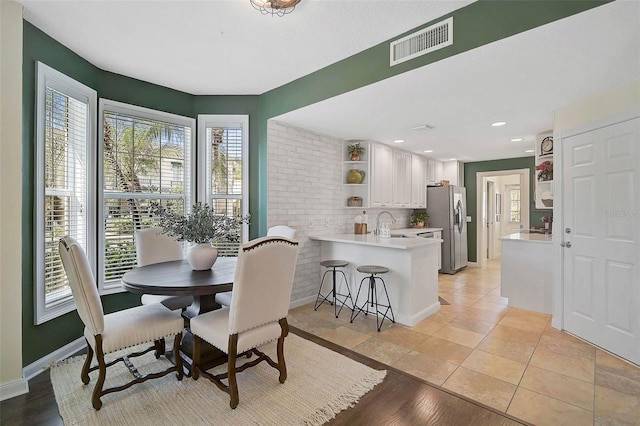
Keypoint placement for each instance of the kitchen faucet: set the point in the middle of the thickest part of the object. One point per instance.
(377, 230)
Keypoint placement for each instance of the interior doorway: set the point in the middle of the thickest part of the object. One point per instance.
(502, 208)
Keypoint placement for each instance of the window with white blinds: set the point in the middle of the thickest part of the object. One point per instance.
(223, 168)
(146, 156)
(65, 129)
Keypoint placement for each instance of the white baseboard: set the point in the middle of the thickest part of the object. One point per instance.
(14, 388)
(37, 367)
(416, 318)
(303, 301)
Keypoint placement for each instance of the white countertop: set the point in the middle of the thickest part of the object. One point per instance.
(526, 237)
(371, 240)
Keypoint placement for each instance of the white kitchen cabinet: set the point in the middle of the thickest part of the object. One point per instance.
(435, 170)
(380, 182)
(401, 179)
(418, 182)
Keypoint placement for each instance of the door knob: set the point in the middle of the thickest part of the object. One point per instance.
(567, 230)
(567, 244)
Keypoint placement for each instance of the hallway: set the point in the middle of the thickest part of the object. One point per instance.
(507, 358)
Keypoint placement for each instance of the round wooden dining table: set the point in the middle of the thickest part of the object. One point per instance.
(176, 278)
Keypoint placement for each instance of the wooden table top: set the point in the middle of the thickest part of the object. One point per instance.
(176, 278)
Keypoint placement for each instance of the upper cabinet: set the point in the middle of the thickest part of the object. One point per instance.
(435, 170)
(544, 171)
(401, 179)
(384, 177)
(418, 181)
(381, 189)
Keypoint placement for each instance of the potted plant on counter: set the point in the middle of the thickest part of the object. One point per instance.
(355, 151)
(203, 227)
(419, 219)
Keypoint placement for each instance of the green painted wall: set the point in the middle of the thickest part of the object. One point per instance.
(470, 170)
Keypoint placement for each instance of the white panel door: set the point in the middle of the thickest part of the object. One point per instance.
(601, 255)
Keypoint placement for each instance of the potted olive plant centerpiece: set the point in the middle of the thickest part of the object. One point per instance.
(202, 227)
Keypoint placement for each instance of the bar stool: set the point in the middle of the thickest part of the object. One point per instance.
(333, 264)
(372, 295)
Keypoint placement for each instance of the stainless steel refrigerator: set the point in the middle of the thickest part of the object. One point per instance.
(447, 209)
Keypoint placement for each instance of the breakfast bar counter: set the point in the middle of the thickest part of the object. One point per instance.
(412, 281)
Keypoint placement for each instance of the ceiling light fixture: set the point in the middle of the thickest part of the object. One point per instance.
(428, 150)
(516, 140)
(275, 7)
(452, 159)
(398, 141)
(499, 123)
(528, 151)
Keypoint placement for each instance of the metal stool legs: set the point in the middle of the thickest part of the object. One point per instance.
(333, 294)
(372, 301)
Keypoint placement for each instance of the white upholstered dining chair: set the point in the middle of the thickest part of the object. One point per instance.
(154, 247)
(119, 330)
(224, 298)
(257, 315)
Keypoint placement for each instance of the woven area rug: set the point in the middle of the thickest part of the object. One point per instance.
(320, 383)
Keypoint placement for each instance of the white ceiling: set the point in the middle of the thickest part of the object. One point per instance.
(227, 47)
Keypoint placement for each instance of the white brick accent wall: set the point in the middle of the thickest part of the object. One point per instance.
(304, 191)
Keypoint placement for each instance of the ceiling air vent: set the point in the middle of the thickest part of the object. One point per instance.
(421, 42)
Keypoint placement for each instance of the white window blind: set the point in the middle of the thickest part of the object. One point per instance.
(146, 157)
(64, 137)
(224, 149)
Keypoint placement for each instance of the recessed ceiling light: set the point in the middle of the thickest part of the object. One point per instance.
(516, 140)
(452, 159)
(499, 123)
(398, 141)
(529, 150)
(428, 150)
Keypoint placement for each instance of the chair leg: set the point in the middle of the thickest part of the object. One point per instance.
(195, 361)
(160, 347)
(324, 298)
(102, 372)
(176, 356)
(282, 366)
(84, 375)
(231, 371)
(356, 310)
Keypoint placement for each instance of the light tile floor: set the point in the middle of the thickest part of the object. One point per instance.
(510, 359)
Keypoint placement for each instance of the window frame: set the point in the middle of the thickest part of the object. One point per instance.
(108, 105)
(203, 166)
(49, 77)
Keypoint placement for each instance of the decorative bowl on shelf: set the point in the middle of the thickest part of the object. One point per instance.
(355, 176)
(354, 202)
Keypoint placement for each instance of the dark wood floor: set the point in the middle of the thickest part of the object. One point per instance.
(401, 399)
